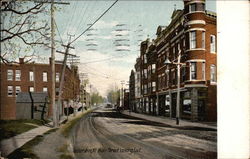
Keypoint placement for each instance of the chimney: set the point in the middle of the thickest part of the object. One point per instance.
(21, 60)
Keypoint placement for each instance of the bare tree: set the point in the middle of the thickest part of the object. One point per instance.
(23, 29)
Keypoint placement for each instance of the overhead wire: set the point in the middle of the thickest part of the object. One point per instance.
(69, 21)
(83, 14)
(94, 22)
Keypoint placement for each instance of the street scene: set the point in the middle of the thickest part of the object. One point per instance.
(108, 79)
(105, 133)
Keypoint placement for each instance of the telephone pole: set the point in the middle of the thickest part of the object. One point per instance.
(66, 53)
(53, 83)
(53, 74)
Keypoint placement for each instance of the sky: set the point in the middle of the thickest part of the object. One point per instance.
(108, 50)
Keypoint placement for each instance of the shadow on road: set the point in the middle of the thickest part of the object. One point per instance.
(139, 121)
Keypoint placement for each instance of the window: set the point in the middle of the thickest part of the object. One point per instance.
(31, 75)
(192, 39)
(200, 7)
(57, 77)
(173, 77)
(167, 80)
(203, 40)
(193, 71)
(153, 86)
(145, 73)
(212, 44)
(149, 86)
(174, 52)
(145, 58)
(196, 7)
(213, 74)
(31, 89)
(9, 75)
(45, 89)
(183, 75)
(153, 68)
(145, 89)
(10, 91)
(149, 69)
(45, 76)
(57, 91)
(192, 7)
(18, 75)
(18, 90)
(203, 70)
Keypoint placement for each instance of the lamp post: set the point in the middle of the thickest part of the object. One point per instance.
(179, 64)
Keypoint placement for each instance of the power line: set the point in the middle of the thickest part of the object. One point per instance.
(58, 32)
(94, 22)
(104, 59)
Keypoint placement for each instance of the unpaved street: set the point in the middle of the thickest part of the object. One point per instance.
(105, 133)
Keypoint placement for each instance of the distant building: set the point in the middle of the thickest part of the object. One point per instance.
(126, 99)
(84, 96)
(35, 77)
(138, 85)
(132, 105)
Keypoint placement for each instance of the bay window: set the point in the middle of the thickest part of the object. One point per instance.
(192, 39)
(193, 71)
(213, 74)
(203, 40)
(212, 44)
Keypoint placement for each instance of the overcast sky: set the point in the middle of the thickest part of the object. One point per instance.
(109, 50)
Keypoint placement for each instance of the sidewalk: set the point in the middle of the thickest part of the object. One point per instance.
(9, 145)
(172, 122)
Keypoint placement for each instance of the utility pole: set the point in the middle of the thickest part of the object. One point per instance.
(66, 53)
(122, 93)
(178, 90)
(179, 65)
(53, 83)
(90, 103)
(53, 93)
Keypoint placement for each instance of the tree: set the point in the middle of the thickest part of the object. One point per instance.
(24, 26)
(96, 98)
(113, 94)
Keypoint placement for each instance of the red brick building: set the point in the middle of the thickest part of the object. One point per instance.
(34, 77)
(191, 35)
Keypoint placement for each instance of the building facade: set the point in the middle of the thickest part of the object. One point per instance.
(138, 85)
(35, 77)
(132, 105)
(190, 42)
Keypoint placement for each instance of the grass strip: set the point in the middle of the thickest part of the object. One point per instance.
(71, 123)
(65, 152)
(10, 128)
(26, 151)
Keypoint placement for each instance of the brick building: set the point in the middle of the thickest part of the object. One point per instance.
(191, 36)
(35, 77)
(138, 85)
(132, 105)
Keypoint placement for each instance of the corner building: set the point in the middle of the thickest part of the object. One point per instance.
(191, 36)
